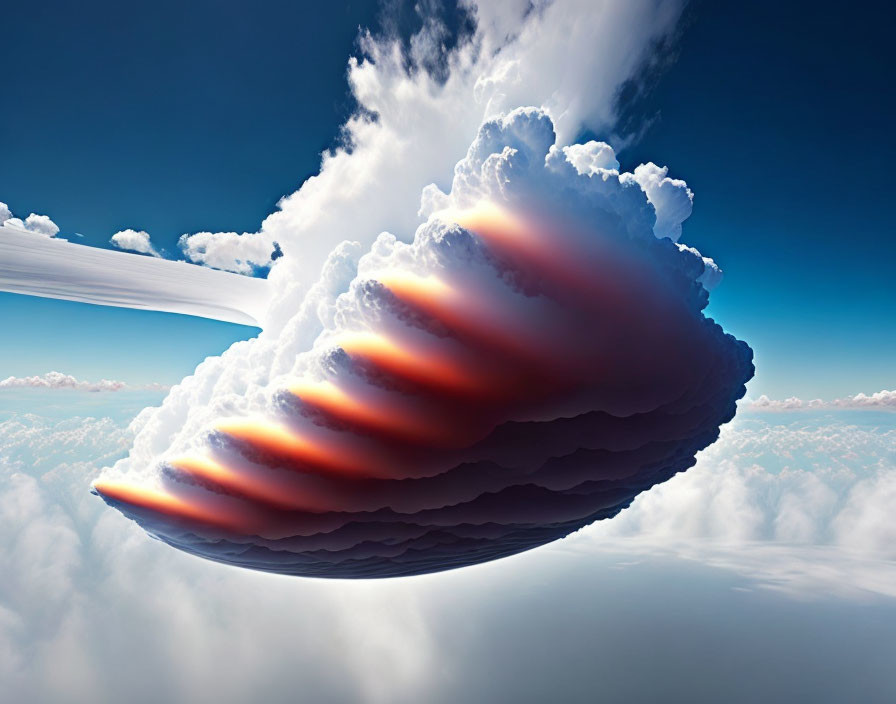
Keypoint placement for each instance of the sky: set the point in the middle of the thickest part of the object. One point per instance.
(765, 571)
(204, 123)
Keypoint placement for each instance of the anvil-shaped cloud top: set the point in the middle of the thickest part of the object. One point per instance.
(533, 360)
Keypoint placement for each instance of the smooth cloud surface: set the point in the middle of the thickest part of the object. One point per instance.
(534, 359)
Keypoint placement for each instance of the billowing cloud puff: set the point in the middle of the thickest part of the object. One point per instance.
(671, 198)
(535, 358)
(134, 241)
(37, 224)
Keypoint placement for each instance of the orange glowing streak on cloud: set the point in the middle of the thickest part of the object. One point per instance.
(160, 501)
(512, 234)
(379, 415)
(423, 367)
(251, 487)
(283, 442)
(455, 309)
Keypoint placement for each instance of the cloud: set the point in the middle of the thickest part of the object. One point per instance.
(534, 359)
(135, 241)
(56, 268)
(36, 224)
(880, 401)
(57, 380)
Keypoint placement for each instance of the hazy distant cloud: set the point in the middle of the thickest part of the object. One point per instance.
(134, 241)
(881, 400)
(37, 224)
(765, 481)
(57, 380)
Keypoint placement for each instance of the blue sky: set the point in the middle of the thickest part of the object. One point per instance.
(778, 118)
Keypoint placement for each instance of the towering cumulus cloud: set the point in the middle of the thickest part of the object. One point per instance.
(530, 362)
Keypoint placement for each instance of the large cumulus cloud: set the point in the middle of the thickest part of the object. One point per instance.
(530, 362)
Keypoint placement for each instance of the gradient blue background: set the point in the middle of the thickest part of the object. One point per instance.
(173, 118)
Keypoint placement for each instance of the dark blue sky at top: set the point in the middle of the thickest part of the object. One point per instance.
(176, 118)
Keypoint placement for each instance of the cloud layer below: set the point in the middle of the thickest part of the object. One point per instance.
(760, 551)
